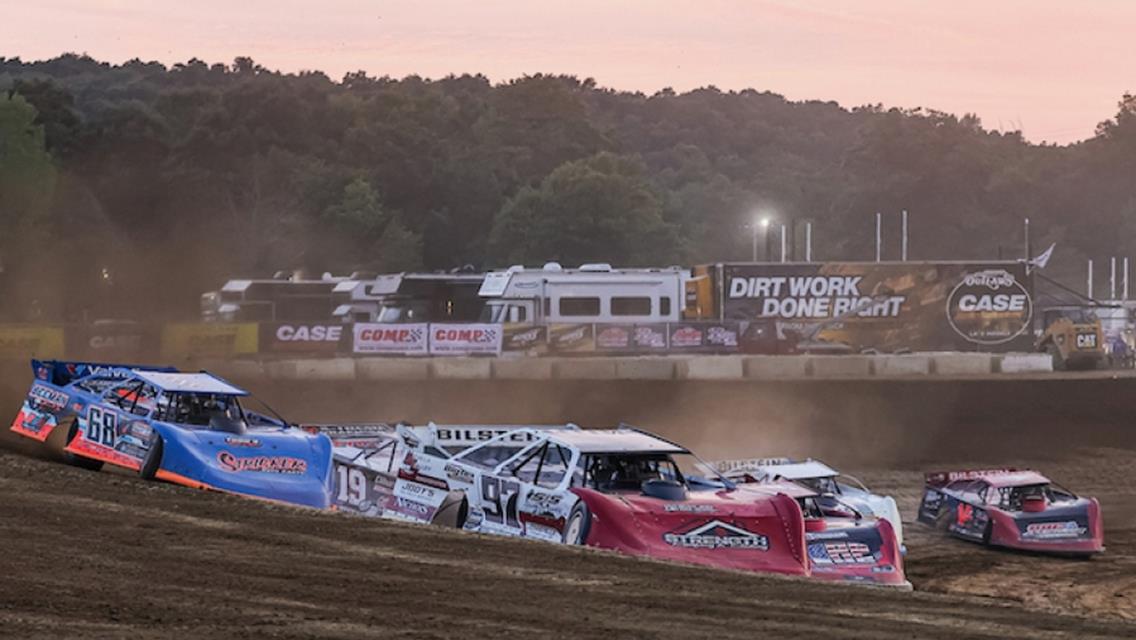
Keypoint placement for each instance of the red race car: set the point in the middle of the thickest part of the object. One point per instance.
(620, 489)
(1016, 509)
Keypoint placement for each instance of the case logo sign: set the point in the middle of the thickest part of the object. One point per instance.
(718, 535)
(989, 307)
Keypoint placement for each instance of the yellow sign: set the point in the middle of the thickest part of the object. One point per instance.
(208, 340)
(28, 341)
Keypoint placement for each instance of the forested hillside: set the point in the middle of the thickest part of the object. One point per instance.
(146, 185)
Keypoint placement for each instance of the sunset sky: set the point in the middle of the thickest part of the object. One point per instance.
(1052, 68)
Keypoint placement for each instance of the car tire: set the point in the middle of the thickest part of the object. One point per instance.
(453, 512)
(153, 459)
(70, 427)
(578, 525)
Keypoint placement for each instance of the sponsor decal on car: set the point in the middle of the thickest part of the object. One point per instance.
(717, 534)
(689, 508)
(238, 441)
(265, 464)
(841, 553)
(458, 474)
(48, 398)
(1053, 530)
(416, 491)
(542, 500)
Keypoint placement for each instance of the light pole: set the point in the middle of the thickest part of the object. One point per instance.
(765, 232)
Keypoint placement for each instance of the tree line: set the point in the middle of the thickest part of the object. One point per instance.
(129, 189)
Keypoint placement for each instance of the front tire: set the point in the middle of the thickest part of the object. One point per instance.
(153, 459)
(578, 525)
(453, 512)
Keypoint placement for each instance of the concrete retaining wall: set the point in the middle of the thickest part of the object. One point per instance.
(928, 366)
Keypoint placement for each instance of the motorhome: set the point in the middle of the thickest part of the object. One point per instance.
(282, 298)
(410, 297)
(592, 293)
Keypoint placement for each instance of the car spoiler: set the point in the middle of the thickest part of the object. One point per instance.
(63, 372)
(940, 478)
(748, 464)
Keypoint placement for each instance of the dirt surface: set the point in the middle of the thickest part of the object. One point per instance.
(107, 555)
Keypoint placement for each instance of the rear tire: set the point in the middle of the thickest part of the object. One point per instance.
(70, 427)
(153, 459)
(578, 525)
(453, 512)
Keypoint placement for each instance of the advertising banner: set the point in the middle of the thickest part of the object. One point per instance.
(112, 341)
(18, 342)
(920, 306)
(465, 339)
(614, 337)
(391, 339)
(305, 337)
(571, 338)
(719, 337)
(525, 338)
(647, 338)
(211, 340)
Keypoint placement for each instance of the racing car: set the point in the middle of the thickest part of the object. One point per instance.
(822, 479)
(844, 544)
(186, 428)
(1011, 508)
(620, 489)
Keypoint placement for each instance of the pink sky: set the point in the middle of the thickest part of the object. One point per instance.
(1053, 68)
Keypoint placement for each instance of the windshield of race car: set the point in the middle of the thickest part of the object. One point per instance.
(1011, 498)
(613, 472)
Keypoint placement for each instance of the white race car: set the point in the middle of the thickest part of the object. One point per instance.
(819, 477)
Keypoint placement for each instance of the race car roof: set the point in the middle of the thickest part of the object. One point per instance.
(800, 470)
(1016, 479)
(615, 441)
(190, 383)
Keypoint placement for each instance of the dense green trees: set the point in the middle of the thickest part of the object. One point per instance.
(128, 171)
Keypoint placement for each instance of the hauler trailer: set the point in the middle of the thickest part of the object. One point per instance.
(592, 293)
(279, 299)
(410, 297)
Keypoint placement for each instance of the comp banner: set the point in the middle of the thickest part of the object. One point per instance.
(391, 339)
(18, 342)
(465, 339)
(893, 305)
(305, 337)
(209, 340)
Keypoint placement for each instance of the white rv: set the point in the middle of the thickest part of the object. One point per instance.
(593, 293)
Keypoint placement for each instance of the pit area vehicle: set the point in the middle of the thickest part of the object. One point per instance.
(1073, 337)
(1014, 509)
(620, 489)
(819, 477)
(190, 429)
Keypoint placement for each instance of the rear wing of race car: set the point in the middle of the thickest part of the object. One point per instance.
(748, 464)
(941, 478)
(64, 372)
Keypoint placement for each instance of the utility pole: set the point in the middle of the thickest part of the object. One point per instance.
(809, 242)
(782, 242)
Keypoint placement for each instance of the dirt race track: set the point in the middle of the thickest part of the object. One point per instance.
(107, 555)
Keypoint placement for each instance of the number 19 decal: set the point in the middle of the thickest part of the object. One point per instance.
(100, 426)
(352, 485)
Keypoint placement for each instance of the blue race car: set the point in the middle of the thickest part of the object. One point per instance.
(186, 428)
